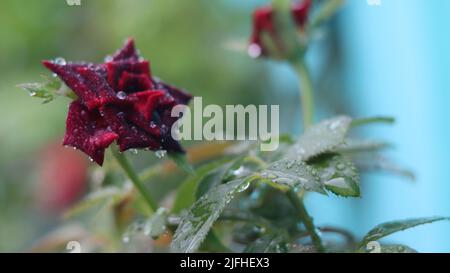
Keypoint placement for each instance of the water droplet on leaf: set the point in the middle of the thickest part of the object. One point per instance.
(160, 153)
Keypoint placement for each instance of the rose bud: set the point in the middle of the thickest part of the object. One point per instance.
(265, 39)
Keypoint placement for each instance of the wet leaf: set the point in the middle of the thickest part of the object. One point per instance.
(95, 198)
(366, 121)
(295, 174)
(186, 193)
(337, 174)
(320, 138)
(217, 176)
(397, 249)
(388, 228)
(155, 226)
(361, 145)
(196, 223)
(48, 89)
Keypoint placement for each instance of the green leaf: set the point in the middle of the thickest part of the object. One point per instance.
(397, 249)
(294, 174)
(366, 121)
(196, 223)
(48, 89)
(320, 138)
(181, 161)
(388, 228)
(338, 174)
(95, 198)
(156, 225)
(270, 243)
(38, 90)
(215, 177)
(213, 243)
(361, 145)
(186, 193)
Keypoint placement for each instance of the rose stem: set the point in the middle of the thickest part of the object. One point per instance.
(306, 93)
(128, 170)
(307, 104)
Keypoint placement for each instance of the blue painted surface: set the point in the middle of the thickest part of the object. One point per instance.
(397, 62)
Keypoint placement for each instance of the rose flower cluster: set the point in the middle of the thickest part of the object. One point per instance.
(120, 101)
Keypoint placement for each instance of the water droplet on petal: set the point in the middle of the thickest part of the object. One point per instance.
(108, 58)
(121, 95)
(60, 61)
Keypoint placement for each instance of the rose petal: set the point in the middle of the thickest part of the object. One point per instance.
(130, 136)
(128, 51)
(115, 70)
(300, 12)
(86, 130)
(86, 80)
(180, 96)
(131, 83)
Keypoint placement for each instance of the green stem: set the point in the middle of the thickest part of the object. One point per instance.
(306, 92)
(126, 167)
(306, 219)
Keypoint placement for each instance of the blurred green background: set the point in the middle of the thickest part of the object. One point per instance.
(194, 44)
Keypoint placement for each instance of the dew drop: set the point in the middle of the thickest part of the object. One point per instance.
(160, 153)
(290, 164)
(239, 172)
(243, 187)
(334, 125)
(108, 59)
(121, 95)
(340, 166)
(134, 151)
(60, 61)
(337, 182)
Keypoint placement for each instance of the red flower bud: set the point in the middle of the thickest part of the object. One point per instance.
(263, 22)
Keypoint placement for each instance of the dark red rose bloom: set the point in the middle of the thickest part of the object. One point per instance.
(263, 21)
(118, 101)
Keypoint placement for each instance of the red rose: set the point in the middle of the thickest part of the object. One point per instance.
(263, 21)
(119, 101)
